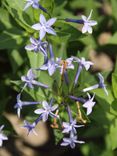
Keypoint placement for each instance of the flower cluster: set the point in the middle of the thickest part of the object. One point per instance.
(52, 108)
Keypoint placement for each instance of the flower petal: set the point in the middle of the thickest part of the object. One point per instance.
(30, 47)
(39, 111)
(42, 34)
(84, 29)
(50, 31)
(89, 30)
(37, 26)
(45, 105)
(53, 108)
(45, 116)
(42, 19)
(51, 21)
(28, 4)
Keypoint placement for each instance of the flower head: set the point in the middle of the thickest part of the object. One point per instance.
(83, 62)
(47, 110)
(45, 26)
(50, 65)
(88, 23)
(70, 127)
(37, 45)
(20, 104)
(63, 65)
(2, 136)
(71, 141)
(29, 80)
(30, 127)
(33, 3)
(89, 104)
(101, 83)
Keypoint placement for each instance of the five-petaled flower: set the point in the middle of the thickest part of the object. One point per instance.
(50, 65)
(82, 64)
(33, 3)
(72, 140)
(37, 46)
(45, 26)
(20, 104)
(63, 65)
(30, 127)
(29, 80)
(47, 110)
(88, 23)
(99, 85)
(70, 127)
(89, 104)
(2, 136)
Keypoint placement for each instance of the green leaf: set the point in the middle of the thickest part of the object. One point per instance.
(15, 8)
(11, 39)
(114, 84)
(35, 59)
(4, 19)
(15, 59)
(113, 133)
(58, 135)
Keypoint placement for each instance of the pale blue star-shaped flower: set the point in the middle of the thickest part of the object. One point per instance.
(82, 64)
(31, 126)
(50, 65)
(70, 127)
(45, 26)
(37, 46)
(89, 104)
(2, 136)
(33, 3)
(72, 140)
(47, 110)
(29, 80)
(20, 104)
(88, 23)
(63, 65)
(100, 85)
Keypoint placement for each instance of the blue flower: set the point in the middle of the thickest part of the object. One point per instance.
(100, 85)
(29, 80)
(35, 4)
(31, 126)
(72, 140)
(82, 64)
(45, 26)
(37, 46)
(47, 110)
(2, 136)
(20, 104)
(88, 23)
(50, 65)
(89, 104)
(70, 127)
(63, 65)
